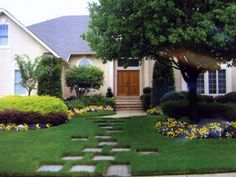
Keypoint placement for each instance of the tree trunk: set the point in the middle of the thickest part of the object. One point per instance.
(29, 92)
(192, 97)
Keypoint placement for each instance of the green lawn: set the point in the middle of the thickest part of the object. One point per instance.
(23, 152)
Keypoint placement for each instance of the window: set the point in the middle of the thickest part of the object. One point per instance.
(200, 84)
(212, 82)
(85, 62)
(3, 34)
(131, 63)
(19, 90)
(222, 81)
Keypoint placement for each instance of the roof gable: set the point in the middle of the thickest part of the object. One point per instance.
(63, 34)
(28, 31)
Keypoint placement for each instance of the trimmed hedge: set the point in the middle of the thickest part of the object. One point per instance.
(172, 96)
(19, 117)
(179, 109)
(40, 104)
(227, 98)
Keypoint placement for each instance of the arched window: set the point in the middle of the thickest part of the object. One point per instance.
(85, 62)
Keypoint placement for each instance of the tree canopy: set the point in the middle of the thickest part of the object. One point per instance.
(195, 35)
(120, 29)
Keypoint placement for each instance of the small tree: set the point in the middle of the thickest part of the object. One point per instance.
(84, 79)
(162, 81)
(49, 76)
(28, 72)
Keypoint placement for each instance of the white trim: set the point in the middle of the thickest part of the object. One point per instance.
(80, 53)
(29, 32)
(111, 74)
(206, 82)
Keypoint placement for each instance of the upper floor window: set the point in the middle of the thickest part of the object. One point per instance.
(85, 62)
(3, 34)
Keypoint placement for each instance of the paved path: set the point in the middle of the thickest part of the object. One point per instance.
(200, 175)
(127, 113)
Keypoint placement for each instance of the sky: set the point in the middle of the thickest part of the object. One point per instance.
(30, 12)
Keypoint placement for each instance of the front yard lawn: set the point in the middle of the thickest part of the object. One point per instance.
(23, 152)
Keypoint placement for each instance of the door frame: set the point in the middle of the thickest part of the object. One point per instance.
(117, 68)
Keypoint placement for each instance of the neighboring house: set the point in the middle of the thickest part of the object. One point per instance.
(62, 38)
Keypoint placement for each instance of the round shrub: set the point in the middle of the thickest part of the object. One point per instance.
(40, 104)
(227, 98)
(179, 109)
(172, 96)
(147, 90)
(176, 109)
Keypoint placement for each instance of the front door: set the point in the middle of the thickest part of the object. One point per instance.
(128, 83)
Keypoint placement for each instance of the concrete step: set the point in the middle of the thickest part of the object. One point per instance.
(125, 104)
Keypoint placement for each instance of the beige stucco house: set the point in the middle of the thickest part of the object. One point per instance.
(62, 37)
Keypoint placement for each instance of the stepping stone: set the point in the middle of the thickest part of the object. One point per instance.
(118, 170)
(120, 149)
(115, 131)
(49, 168)
(72, 158)
(103, 143)
(83, 168)
(147, 152)
(106, 127)
(102, 137)
(92, 150)
(103, 157)
(79, 139)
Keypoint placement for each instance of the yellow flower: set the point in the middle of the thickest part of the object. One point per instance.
(233, 124)
(48, 125)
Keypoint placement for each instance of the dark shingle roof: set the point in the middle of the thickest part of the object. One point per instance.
(63, 35)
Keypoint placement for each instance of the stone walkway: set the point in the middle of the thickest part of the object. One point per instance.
(199, 175)
(127, 113)
(109, 126)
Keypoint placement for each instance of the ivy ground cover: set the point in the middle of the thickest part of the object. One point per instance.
(23, 152)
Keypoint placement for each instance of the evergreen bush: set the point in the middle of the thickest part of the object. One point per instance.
(49, 76)
(162, 81)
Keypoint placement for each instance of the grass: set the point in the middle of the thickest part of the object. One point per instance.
(97, 114)
(23, 152)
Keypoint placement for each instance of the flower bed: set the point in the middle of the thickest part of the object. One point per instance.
(172, 128)
(23, 127)
(155, 111)
(92, 108)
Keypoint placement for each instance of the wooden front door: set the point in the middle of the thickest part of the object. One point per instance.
(128, 83)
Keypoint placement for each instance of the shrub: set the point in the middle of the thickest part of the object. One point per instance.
(77, 103)
(146, 101)
(109, 93)
(201, 98)
(227, 98)
(84, 101)
(49, 76)
(146, 98)
(162, 81)
(41, 104)
(172, 96)
(84, 79)
(179, 109)
(19, 117)
(176, 109)
(147, 90)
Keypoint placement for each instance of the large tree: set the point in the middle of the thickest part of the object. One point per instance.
(195, 35)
